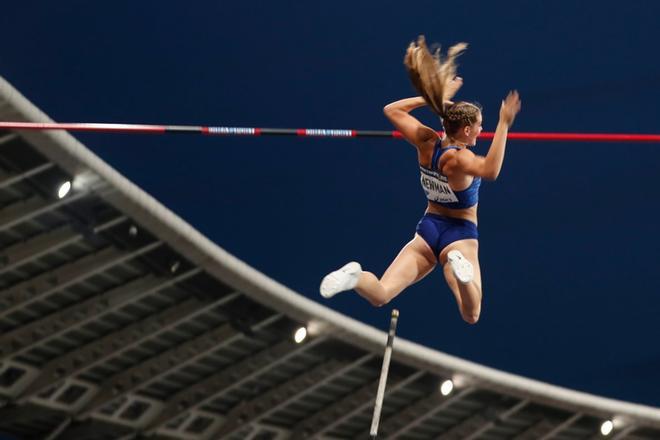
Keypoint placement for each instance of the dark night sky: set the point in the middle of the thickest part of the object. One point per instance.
(569, 240)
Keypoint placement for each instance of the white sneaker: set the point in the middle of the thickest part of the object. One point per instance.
(462, 268)
(340, 280)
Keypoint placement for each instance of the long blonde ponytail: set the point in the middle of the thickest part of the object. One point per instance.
(430, 75)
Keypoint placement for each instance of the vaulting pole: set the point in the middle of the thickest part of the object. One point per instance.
(383, 375)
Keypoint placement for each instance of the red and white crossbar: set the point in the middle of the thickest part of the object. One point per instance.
(308, 132)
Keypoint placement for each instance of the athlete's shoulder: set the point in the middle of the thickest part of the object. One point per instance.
(464, 154)
(427, 136)
(456, 160)
(452, 152)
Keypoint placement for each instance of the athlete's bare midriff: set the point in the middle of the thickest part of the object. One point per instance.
(465, 213)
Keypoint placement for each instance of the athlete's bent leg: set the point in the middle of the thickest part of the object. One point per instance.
(460, 261)
(412, 264)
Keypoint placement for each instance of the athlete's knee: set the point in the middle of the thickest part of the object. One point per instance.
(379, 302)
(470, 316)
(385, 295)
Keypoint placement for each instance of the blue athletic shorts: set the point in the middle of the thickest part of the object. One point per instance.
(439, 231)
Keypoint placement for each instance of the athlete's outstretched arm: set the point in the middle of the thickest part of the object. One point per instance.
(398, 112)
(489, 166)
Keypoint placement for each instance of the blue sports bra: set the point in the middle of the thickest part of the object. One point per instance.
(437, 189)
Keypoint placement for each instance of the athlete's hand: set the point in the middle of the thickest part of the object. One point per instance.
(510, 108)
